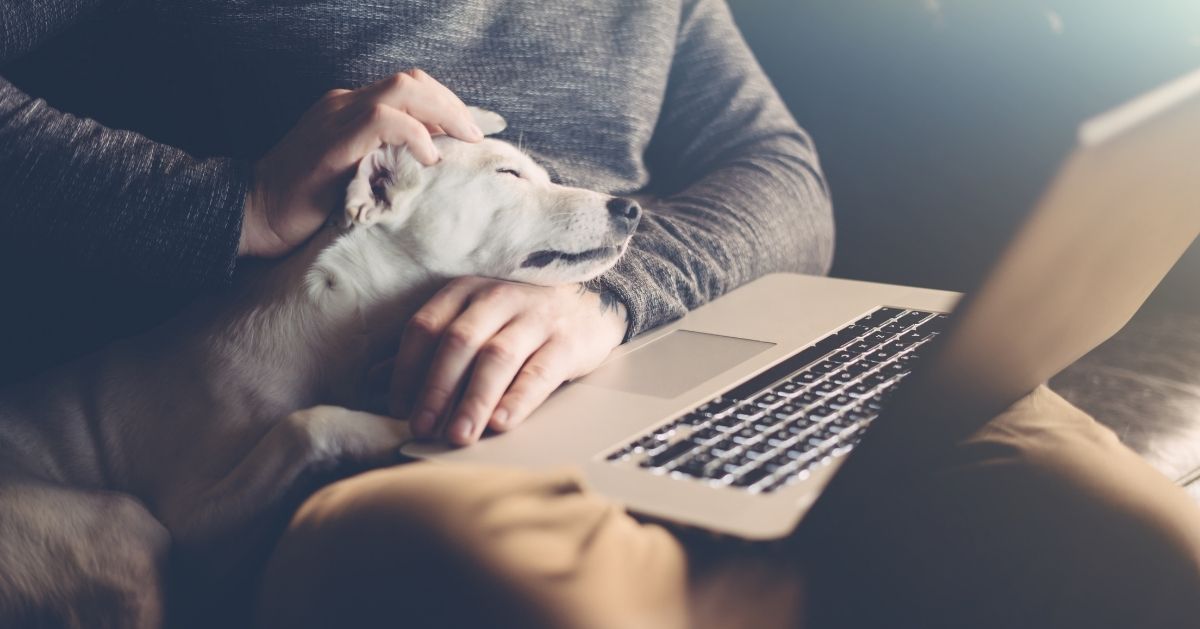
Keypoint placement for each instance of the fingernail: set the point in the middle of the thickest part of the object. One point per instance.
(423, 425)
(476, 133)
(464, 429)
(500, 417)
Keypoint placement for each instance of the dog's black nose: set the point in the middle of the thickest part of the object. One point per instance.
(625, 213)
(620, 207)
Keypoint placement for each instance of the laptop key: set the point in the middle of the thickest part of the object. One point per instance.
(841, 377)
(877, 338)
(892, 370)
(912, 318)
(779, 438)
(723, 447)
(823, 367)
(692, 468)
(746, 414)
(727, 422)
(789, 389)
(766, 424)
(859, 390)
(806, 377)
(842, 357)
(619, 454)
(768, 400)
(840, 401)
(674, 451)
(859, 347)
(821, 412)
(746, 435)
(858, 368)
(718, 405)
(826, 387)
(805, 399)
(751, 477)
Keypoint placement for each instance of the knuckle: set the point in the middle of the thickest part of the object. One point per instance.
(423, 325)
(399, 80)
(540, 373)
(376, 113)
(498, 352)
(497, 292)
(417, 74)
(460, 336)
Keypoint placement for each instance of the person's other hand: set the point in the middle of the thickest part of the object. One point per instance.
(505, 346)
(298, 182)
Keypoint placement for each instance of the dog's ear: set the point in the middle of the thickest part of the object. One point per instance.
(383, 188)
(489, 122)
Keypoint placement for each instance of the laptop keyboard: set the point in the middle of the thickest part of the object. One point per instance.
(772, 429)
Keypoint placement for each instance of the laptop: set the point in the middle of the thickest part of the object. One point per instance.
(738, 416)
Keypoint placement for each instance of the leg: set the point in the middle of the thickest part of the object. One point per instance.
(71, 558)
(313, 440)
(223, 530)
(455, 546)
(1042, 519)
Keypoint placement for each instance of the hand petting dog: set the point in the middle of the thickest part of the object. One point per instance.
(505, 346)
(304, 175)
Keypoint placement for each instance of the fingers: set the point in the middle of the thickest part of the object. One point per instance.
(459, 344)
(548, 368)
(424, 98)
(419, 341)
(382, 124)
(495, 351)
(494, 370)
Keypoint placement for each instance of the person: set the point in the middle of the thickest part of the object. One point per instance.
(603, 96)
(1038, 520)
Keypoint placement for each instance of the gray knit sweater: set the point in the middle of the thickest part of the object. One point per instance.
(620, 96)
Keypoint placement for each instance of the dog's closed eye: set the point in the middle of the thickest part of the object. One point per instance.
(510, 171)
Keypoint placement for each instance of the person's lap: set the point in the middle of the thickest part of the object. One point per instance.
(1040, 519)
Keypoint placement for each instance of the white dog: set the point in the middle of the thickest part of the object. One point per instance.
(190, 435)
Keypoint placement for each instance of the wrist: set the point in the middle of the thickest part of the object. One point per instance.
(258, 238)
(612, 310)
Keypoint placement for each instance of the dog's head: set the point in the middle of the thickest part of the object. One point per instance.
(489, 209)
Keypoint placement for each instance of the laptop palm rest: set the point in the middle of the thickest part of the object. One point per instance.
(675, 363)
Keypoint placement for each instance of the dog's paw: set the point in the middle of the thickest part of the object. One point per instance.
(489, 122)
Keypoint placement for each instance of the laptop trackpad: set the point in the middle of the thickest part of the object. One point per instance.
(674, 363)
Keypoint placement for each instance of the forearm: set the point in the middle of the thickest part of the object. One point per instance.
(115, 197)
(745, 192)
(764, 212)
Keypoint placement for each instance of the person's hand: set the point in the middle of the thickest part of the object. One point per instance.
(298, 182)
(505, 346)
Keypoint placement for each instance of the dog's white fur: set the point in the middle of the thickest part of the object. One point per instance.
(190, 433)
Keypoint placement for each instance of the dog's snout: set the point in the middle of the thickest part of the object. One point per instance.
(628, 209)
(624, 214)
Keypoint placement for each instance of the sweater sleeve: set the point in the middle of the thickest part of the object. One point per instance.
(745, 193)
(72, 187)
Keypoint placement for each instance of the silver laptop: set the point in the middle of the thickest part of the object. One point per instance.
(737, 417)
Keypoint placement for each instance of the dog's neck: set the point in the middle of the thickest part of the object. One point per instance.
(332, 309)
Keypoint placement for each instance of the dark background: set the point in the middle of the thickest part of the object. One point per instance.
(938, 122)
